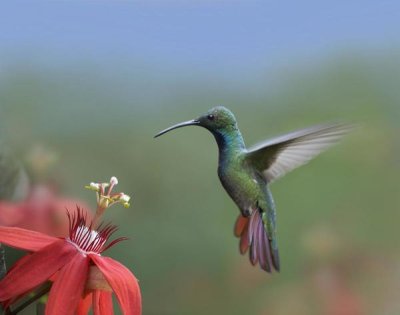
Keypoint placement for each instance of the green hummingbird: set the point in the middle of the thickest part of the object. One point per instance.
(246, 175)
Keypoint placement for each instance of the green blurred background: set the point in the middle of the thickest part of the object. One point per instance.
(97, 110)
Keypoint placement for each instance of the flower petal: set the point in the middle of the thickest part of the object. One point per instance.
(25, 239)
(123, 282)
(29, 273)
(102, 303)
(67, 289)
(84, 304)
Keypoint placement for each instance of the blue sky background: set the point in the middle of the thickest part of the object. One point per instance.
(217, 37)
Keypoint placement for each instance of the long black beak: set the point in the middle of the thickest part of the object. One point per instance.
(183, 124)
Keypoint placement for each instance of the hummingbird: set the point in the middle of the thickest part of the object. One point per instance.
(246, 175)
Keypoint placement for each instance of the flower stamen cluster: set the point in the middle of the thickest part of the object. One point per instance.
(105, 198)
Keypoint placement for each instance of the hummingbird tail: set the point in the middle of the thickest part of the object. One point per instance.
(254, 236)
(241, 230)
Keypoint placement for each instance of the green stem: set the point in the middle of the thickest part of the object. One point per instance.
(38, 294)
(3, 268)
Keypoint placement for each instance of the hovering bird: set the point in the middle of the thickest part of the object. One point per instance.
(247, 173)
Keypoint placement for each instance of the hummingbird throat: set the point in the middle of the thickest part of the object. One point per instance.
(229, 140)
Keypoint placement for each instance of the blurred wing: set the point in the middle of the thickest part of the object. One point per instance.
(278, 156)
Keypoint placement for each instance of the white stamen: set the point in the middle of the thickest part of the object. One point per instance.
(113, 180)
(124, 197)
(94, 186)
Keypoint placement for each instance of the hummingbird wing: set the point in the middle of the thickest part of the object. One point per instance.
(278, 156)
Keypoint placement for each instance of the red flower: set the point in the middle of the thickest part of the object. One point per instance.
(43, 211)
(68, 261)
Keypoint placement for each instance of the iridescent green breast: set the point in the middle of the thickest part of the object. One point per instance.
(241, 182)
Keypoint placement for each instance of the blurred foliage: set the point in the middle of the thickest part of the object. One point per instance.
(337, 217)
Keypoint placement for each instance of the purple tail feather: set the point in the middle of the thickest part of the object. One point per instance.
(254, 236)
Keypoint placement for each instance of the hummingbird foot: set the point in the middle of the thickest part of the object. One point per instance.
(247, 212)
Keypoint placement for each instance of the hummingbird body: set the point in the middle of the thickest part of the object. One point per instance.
(246, 175)
(249, 190)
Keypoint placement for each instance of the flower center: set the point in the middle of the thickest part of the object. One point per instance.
(87, 240)
(84, 238)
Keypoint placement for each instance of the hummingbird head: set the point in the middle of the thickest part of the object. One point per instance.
(218, 120)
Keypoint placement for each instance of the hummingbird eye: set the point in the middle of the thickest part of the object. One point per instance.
(210, 117)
